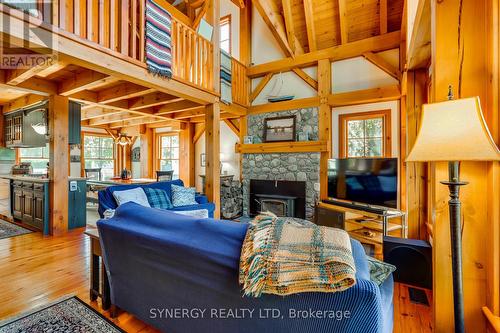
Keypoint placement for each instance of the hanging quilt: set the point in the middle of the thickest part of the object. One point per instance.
(225, 78)
(158, 40)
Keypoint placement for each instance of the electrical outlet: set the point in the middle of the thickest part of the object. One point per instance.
(316, 187)
(73, 186)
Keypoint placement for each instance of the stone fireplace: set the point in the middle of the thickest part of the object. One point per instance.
(298, 167)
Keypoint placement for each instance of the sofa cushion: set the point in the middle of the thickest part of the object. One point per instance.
(136, 195)
(183, 196)
(158, 198)
(199, 213)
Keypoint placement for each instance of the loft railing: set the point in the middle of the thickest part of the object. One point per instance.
(240, 83)
(119, 26)
(192, 56)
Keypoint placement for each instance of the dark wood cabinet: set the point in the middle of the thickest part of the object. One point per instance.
(17, 201)
(75, 128)
(29, 202)
(28, 206)
(38, 208)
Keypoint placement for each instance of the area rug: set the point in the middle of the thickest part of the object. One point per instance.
(10, 230)
(68, 315)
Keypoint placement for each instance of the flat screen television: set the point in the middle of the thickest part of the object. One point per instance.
(371, 181)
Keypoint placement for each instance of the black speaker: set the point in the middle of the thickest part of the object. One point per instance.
(412, 258)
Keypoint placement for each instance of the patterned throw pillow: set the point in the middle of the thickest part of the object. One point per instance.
(379, 270)
(158, 198)
(136, 195)
(183, 196)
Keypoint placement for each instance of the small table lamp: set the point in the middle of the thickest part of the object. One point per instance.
(454, 131)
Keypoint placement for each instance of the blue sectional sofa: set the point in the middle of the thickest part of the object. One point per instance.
(180, 274)
(107, 201)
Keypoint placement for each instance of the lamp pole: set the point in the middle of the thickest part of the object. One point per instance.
(454, 205)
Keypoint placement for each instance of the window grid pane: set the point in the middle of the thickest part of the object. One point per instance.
(99, 153)
(365, 137)
(169, 154)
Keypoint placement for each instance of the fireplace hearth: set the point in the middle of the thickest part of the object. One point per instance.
(281, 197)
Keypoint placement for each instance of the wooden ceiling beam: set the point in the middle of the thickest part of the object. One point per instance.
(107, 119)
(185, 114)
(198, 133)
(22, 102)
(344, 27)
(233, 125)
(234, 109)
(32, 86)
(201, 14)
(265, 80)
(84, 81)
(96, 112)
(311, 29)
(152, 99)
(138, 121)
(283, 106)
(121, 91)
(56, 67)
(175, 107)
(294, 43)
(383, 16)
(383, 65)
(167, 123)
(350, 50)
(17, 76)
(307, 79)
(274, 21)
(390, 93)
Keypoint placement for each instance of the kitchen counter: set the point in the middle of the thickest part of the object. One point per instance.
(26, 178)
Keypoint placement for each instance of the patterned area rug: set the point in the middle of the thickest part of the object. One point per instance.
(8, 229)
(69, 315)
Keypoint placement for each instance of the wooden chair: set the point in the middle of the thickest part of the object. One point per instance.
(93, 173)
(162, 176)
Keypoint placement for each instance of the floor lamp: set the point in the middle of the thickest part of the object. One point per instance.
(454, 131)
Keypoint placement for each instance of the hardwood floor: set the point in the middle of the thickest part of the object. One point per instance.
(36, 270)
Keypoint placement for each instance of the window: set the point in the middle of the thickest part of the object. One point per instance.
(98, 152)
(365, 134)
(169, 153)
(225, 33)
(39, 157)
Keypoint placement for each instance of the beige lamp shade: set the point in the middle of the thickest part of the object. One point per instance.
(454, 131)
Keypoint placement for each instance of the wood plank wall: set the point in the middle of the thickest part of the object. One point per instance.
(462, 56)
(416, 173)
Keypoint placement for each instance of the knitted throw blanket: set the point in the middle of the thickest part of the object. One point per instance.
(283, 256)
(158, 40)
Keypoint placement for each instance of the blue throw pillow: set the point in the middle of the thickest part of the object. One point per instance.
(158, 198)
(183, 196)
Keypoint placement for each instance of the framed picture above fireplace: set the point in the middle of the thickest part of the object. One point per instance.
(279, 129)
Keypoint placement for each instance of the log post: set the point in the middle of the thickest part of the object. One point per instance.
(212, 151)
(58, 162)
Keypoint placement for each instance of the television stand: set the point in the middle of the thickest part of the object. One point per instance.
(364, 223)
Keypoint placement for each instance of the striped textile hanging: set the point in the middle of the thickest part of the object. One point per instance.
(225, 78)
(158, 40)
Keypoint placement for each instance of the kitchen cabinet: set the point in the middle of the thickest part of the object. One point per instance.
(30, 203)
(75, 127)
(77, 203)
(20, 127)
